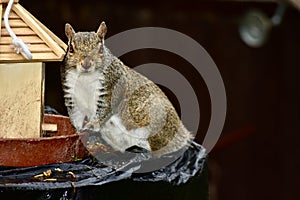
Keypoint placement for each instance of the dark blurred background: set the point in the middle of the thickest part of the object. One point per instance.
(256, 156)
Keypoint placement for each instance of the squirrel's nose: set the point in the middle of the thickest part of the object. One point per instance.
(86, 63)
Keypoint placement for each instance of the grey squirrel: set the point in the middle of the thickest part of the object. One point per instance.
(104, 95)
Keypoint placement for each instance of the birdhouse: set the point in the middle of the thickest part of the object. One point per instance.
(22, 72)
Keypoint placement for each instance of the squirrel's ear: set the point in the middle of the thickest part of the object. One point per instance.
(69, 31)
(102, 31)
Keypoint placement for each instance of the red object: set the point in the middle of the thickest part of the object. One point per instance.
(233, 137)
(65, 145)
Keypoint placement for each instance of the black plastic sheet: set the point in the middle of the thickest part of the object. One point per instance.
(69, 180)
(91, 172)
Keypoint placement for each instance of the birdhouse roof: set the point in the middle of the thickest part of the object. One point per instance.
(43, 44)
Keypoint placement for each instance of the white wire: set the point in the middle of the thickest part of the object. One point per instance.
(17, 43)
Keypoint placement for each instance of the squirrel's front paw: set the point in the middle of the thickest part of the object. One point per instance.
(93, 126)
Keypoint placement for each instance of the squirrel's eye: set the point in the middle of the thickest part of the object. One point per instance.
(71, 49)
(101, 49)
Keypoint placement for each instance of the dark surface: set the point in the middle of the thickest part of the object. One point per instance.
(125, 189)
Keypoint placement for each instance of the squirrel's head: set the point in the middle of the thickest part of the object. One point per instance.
(85, 49)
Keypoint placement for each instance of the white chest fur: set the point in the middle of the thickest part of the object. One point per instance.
(84, 92)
